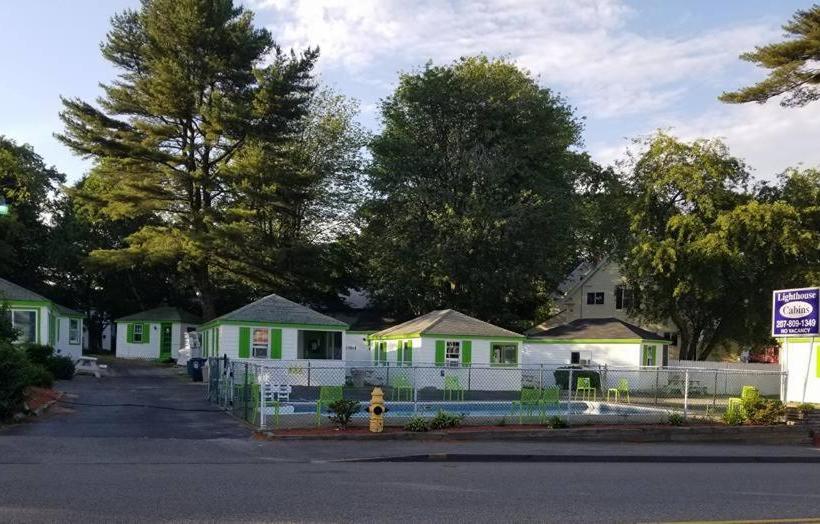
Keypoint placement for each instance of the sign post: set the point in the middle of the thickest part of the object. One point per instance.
(796, 312)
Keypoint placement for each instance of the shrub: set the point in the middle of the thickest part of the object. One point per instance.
(16, 374)
(444, 420)
(556, 422)
(805, 407)
(39, 353)
(343, 409)
(733, 417)
(764, 412)
(675, 419)
(562, 377)
(417, 424)
(61, 367)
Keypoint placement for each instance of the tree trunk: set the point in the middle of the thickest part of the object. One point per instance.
(206, 293)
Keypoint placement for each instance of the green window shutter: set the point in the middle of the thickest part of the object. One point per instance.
(408, 352)
(216, 342)
(244, 342)
(439, 352)
(146, 333)
(52, 330)
(467, 352)
(399, 351)
(58, 330)
(130, 333)
(276, 343)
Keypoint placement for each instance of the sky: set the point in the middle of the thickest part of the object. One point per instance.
(629, 67)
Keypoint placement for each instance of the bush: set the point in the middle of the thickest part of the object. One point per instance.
(444, 420)
(39, 353)
(417, 424)
(806, 407)
(764, 412)
(556, 422)
(343, 409)
(733, 417)
(562, 377)
(675, 419)
(61, 367)
(16, 374)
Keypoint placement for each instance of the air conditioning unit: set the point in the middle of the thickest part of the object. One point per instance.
(584, 361)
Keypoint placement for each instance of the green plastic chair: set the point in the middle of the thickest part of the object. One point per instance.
(327, 396)
(453, 385)
(584, 387)
(402, 383)
(531, 400)
(623, 389)
(551, 395)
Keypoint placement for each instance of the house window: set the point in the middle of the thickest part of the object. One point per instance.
(137, 334)
(452, 354)
(649, 356)
(26, 323)
(595, 298)
(320, 345)
(260, 342)
(623, 297)
(575, 357)
(504, 354)
(73, 330)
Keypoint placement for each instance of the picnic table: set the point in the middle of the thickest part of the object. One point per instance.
(88, 366)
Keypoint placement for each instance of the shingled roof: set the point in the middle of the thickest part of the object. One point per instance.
(279, 310)
(595, 328)
(447, 322)
(11, 291)
(163, 314)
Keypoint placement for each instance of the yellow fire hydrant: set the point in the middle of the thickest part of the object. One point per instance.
(377, 410)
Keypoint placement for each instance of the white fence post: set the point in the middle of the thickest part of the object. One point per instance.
(686, 395)
(569, 395)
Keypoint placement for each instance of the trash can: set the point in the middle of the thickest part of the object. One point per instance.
(195, 368)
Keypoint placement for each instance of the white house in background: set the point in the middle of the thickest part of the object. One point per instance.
(154, 333)
(274, 330)
(597, 290)
(447, 343)
(42, 321)
(799, 357)
(595, 341)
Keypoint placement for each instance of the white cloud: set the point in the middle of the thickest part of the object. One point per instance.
(579, 45)
(770, 138)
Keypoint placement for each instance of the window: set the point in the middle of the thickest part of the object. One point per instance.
(623, 297)
(404, 352)
(649, 356)
(575, 357)
(320, 345)
(260, 342)
(73, 330)
(26, 323)
(137, 334)
(504, 354)
(452, 354)
(596, 298)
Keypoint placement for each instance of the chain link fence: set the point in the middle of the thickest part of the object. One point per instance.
(296, 394)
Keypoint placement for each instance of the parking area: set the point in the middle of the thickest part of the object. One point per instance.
(133, 399)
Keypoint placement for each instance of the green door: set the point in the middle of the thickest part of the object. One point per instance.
(165, 340)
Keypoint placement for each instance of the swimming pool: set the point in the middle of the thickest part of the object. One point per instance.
(487, 409)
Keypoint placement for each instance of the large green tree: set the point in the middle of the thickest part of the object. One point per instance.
(793, 64)
(474, 193)
(707, 251)
(27, 185)
(198, 86)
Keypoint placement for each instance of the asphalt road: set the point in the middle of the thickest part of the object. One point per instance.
(122, 464)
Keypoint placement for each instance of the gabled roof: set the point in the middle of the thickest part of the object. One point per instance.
(594, 328)
(447, 322)
(11, 291)
(367, 320)
(580, 275)
(279, 310)
(163, 314)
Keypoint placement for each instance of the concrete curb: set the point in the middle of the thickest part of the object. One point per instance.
(791, 435)
(529, 458)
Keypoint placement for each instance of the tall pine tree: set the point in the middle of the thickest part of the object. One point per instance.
(198, 86)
